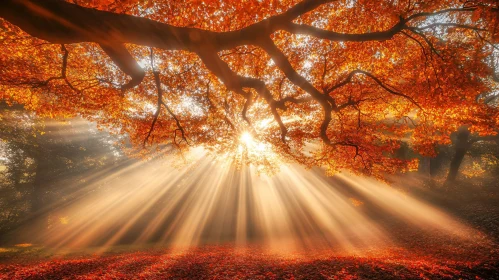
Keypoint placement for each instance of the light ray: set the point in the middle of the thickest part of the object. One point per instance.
(204, 202)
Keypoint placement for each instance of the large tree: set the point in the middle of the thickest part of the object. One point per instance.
(331, 83)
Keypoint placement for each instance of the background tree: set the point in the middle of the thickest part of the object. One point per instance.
(46, 164)
(330, 83)
(463, 140)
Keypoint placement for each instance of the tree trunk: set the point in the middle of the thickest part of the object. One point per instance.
(37, 222)
(37, 192)
(424, 167)
(436, 163)
(462, 146)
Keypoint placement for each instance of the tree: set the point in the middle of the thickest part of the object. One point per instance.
(330, 83)
(463, 140)
(45, 165)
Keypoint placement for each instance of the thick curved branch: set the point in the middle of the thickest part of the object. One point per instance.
(327, 102)
(282, 103)
(62, 22)
(304, 29)
(58, 21)
(230, 79)
(285, 66)
(236, 83)
(125, 61)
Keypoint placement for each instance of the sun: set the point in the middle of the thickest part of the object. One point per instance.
(250, 143)
(246, 138)
(255, 151)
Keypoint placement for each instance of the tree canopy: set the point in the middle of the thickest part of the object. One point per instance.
(332, 83)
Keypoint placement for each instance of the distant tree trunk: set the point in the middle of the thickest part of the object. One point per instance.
(37, 193)
(429, 166)
(9, 206)
(462, 146)
(436, 163)
(38, 221)
(424, 167)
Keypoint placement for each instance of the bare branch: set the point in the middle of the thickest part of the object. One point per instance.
(179, 126)
(37, 83)
(375, 79)
(158, 108)
(215, 107)
(160, 98)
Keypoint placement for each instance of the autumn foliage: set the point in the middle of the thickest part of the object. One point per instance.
(332, 83)
(225, 262)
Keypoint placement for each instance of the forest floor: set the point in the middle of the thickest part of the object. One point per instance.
(415, 255)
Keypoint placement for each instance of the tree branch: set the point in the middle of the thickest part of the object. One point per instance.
(157, 80)
(375, 79)
(335, 36)
(160, 98)
(236, 83)
(125, 61)
(62, 22)
(449, 24)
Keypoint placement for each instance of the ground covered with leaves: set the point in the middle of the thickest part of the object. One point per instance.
(227, 263)
(416, 253)
(425, 260)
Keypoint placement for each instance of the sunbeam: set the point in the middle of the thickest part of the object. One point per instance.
(206, 202)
